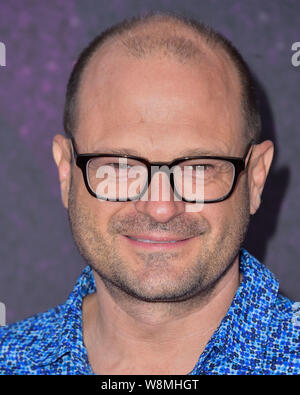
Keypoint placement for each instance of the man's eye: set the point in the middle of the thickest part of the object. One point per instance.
(124, 166)
(119, 166)
(205, 167)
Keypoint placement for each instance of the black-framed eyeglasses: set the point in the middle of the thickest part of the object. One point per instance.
(194, 179)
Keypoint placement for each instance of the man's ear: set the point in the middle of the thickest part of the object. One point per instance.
(259, 167)
(62, 157)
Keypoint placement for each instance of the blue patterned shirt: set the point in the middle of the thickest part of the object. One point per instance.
(258, 335)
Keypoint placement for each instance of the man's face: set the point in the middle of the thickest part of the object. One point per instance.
(159, 109)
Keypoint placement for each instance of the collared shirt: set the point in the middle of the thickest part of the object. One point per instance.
(258, 335)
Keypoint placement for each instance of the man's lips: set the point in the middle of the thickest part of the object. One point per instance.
(152, 241)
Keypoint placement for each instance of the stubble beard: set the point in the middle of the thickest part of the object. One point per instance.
(200, 276)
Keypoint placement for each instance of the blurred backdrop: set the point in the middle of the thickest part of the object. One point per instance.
(39, 262)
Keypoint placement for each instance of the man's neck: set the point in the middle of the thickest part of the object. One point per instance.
(128, 336)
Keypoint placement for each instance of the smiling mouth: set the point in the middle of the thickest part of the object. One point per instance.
(157, 240)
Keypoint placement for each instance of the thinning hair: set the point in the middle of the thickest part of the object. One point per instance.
(143, 35)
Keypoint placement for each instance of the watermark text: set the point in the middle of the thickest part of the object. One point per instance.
(2, 54)
(2, 314)
(295, 59)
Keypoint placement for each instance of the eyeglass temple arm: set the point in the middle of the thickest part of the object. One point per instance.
(249, 148)
(73, 144)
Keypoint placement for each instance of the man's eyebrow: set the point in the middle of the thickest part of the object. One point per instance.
(184, 153)
(116, 151)
(200, 152)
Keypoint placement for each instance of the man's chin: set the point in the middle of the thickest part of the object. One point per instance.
(155, 289)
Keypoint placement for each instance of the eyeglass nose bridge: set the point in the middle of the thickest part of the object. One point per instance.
(161, 167)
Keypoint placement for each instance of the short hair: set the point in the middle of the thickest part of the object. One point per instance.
(171, 44)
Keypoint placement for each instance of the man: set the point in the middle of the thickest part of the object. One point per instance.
(167, 289)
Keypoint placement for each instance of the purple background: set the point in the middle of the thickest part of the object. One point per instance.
(39, 261)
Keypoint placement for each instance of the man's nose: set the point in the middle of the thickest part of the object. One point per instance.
(159, 201)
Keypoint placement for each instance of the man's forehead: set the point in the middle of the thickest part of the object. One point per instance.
(163, 45)
(112, 74)
(106, 75)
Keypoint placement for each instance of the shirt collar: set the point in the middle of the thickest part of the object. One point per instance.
(251, 307)
(244, 330)
(64, 335)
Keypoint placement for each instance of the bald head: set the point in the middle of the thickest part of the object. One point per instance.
(165, 36)
(171, 37)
